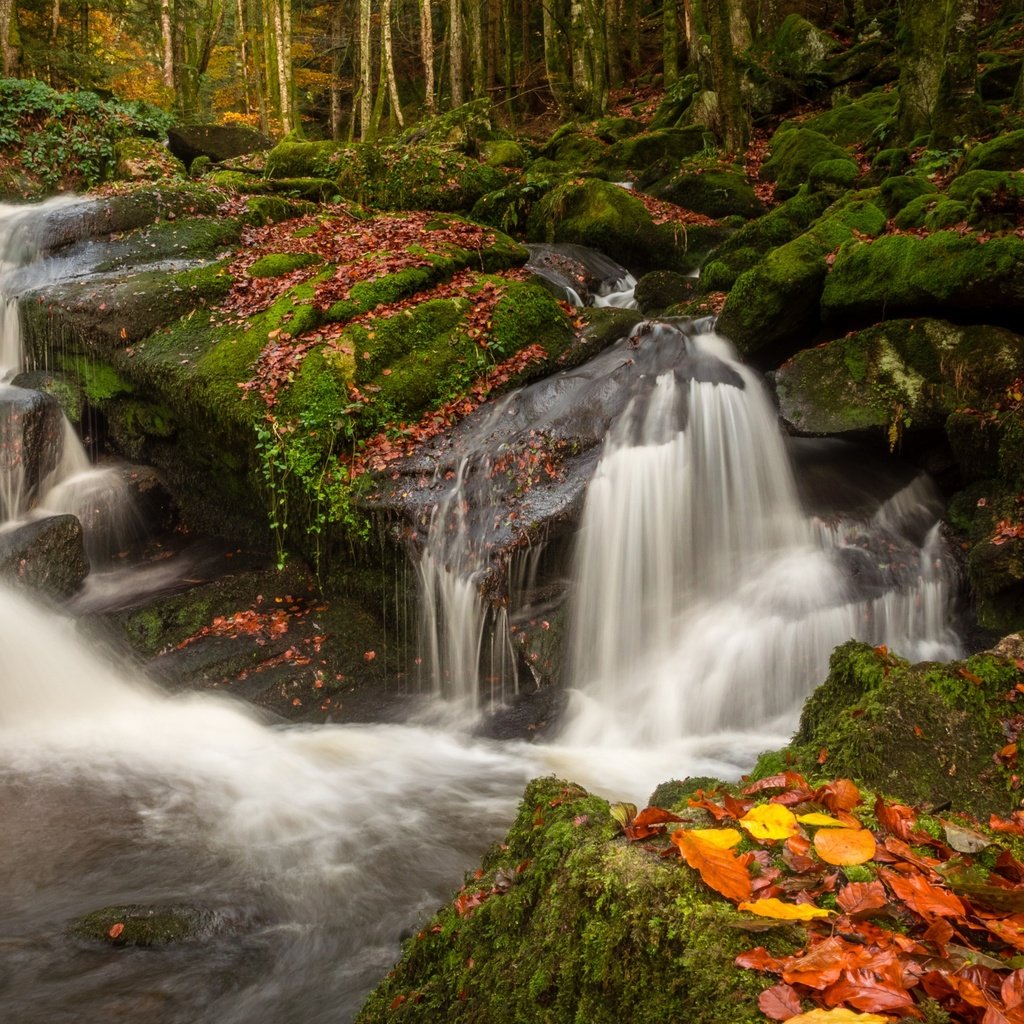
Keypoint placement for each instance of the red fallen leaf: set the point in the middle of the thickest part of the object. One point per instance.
(940, 931)
(115, 930)
(1012, 989)
(397, 1001)
(1010, 826)
(649, 822)
(759, 959)
(784, 780)
(369, 655)
(838, 795)
(922, 897)
(780, 1002)
(822, 965)
(861, 898)
(716, 811)
(864, 991)
(718, 868)
(823, 755)
(1010, 930)
(1009, 867)
(897, 819)
(905, 853)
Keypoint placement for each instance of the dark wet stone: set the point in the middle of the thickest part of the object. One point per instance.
(46, 554)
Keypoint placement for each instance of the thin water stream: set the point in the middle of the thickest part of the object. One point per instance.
(705, 599)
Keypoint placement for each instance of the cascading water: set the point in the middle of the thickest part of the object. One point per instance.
(705, 604)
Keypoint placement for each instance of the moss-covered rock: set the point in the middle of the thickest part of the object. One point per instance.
(657, 291)
(143, 925)
(607, 218)
(145, 160)
(854, 121)
(926, 732)
(468, 128)
(898, 376)
(897, 191)
(45, 555)
(279, 264)
(503, 153)
(899, 275)
(833, 177)
(1003, 153)
(778, 299)
(801, 49)
(794, 151)
(573, 923)
(713, 191)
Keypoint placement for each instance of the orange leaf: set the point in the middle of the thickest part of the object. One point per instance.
(838, 1015)
(784, 911)
(922, 897)
(895, 818)
(859, 898)
(115, 930)
(863, 990)
(759, 959)
(719, 868)
(769, 821)
(844, 846)
(839, 795)
(780, 1002)
(649, 822)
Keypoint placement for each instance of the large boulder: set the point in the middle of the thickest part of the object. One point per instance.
(713, 191)
(219, 142)
(794, 152)
(31, 441)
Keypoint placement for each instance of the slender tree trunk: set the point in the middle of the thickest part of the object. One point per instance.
(365, 72)
(725, 76)
(456, 50)
(167, 40)
(336, 64)
(554, 60)
(241, 39)
(427, 55)
(670, 42)
(387, 61)
(614, 42)
(281, 67)
(475, 35)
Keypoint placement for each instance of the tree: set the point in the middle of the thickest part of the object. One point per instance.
(10, 39)
(725, 75)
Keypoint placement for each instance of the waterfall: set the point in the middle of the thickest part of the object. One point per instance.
(706, 598)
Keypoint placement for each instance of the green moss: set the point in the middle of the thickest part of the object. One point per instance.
(927, 732)
(292, 159)
(794, 151)
(855, 121)
(528, 314)
(137, 925)
(587, 922)
(503, 153)
(1003, 153)
(833, 176)
(712, 191)
(100, 381)
(898, 191)
(279, 264)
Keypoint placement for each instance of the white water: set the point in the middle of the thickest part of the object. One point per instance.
(708, 599)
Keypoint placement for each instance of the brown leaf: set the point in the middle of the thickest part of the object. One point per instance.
(897, 819)
(759, 959)
(859, 899)
(720, 869)
(839, 795)
(649, 822)
(780, 1002)
(921, 896)
(863, 990)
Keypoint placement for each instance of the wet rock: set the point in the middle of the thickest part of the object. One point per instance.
(658, 290)
(139, 924)
(46, 554)
(31, 440)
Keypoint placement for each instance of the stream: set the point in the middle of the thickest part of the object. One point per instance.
(717, 564)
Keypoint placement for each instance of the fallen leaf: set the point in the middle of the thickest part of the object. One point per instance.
(784, 911)
(839, 795)
(724, 838)
(769, 821)
(837, 1015)
(921, 896)
(115, 930)
(859, 898)
(844, 846)
(780, 1002)
(720, 869)
(824, 820)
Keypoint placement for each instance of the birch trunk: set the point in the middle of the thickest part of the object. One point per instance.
(427, 55)
(387, 62)
(365, 73)
(456, 50)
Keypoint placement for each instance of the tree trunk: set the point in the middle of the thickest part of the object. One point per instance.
(938, 56)
(725, 76)
(554, 56)
(614, 42)
(456, 51)
(387, 62)
(475, 36)
(167, 40)
(243, 53)
(365, 73)
(588, 46)
(10, 39)
(669, 42)
(336, 64)
(427, 55)
(281, 66)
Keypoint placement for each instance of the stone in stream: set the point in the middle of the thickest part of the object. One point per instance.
(47, 555)
(31, 432)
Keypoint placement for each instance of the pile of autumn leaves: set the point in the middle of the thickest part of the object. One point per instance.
(917, 921)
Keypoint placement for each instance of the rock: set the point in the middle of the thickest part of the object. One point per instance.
(216, 141)
(927, 732)
(467, 128)
(1003, 153)
(794, 152)
(659, 289)
(47, 555)
(145, 160)
(606, 217)
(945, 272)
(503, 153)
(899, 376)
(713, 191)
(147, 925)
(31, 441)
(853, 122)
(801, 49)
(897, 191)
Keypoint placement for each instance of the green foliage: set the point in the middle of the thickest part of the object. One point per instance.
(64, 139)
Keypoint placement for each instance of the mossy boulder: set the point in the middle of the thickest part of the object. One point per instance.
(777, 301)
(928, 733)
(933, 211)
(801, 49)
(794, 152)
(746, 246)
(714, 191)
(216, 141)
(279, 264)
(944, 272)
(853, 121)
(145, 160)
(574, 923)
(1003, 153)
(898, 190)
(503, 153)
(657, 291)
(833, 177)
(468, 128)
(651, 154)
(898, 376)
(606, 217)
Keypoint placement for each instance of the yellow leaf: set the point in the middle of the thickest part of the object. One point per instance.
(724, 838)
(821, 819)
(844, 846)
(838, 1015)
(784, 911)
(769, 821)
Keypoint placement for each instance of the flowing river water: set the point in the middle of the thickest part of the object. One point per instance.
(707, 596)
